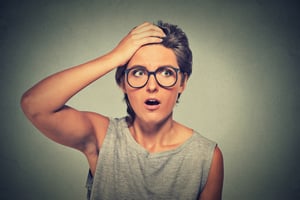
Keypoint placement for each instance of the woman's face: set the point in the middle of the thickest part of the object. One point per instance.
(153, 103)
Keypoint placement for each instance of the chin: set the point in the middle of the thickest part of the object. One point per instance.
(154, 118)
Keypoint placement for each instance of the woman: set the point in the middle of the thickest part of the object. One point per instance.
(146, 155)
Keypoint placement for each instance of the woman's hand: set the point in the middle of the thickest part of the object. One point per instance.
(145, 33)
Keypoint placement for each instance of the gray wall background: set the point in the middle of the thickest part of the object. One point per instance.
(243, 93)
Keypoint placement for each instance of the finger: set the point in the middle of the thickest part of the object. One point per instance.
(148, 27)
(148, 33)
(145, 24)
(149, 40)
(139, 27)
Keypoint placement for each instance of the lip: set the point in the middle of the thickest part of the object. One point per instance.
(152, 107)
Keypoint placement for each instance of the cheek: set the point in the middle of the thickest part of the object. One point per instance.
(134, 99)
(171, 99)
(175, 98)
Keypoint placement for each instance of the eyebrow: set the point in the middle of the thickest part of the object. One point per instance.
(141, 66)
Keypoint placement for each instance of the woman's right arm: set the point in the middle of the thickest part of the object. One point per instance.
(45, 103)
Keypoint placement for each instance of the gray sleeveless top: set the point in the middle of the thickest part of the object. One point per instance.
(125, 170)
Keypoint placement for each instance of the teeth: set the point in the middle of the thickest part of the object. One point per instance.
(152, 102)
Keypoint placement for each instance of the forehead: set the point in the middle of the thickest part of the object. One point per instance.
(153, 56)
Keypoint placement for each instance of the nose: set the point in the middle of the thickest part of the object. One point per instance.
(152, 85)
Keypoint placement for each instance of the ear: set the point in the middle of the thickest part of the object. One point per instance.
(183, 82)
(122, 86)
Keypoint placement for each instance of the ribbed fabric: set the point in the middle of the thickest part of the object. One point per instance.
(125, 170)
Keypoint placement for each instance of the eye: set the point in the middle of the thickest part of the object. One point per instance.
(167, 71)
(138, 72)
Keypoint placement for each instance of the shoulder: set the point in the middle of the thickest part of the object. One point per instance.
(203, 138)
(104, 125)
(204, 144)
(196, 137)
(197, 143)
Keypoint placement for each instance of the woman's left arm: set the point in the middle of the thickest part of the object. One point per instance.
(214, 184)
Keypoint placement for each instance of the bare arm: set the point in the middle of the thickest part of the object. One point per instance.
(44, 103)
(214, 185)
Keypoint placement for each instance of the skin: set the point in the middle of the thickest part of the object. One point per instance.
(155, 129)
(45, 104)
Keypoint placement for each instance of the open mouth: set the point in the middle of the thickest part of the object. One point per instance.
(152, 102)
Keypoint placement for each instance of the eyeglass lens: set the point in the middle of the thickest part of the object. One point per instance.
(139, 76)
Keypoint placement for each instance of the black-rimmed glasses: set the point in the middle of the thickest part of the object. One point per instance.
(166, 76)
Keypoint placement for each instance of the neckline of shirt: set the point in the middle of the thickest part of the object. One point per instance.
(146, 153)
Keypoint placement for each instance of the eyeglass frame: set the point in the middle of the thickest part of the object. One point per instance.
(126, 71)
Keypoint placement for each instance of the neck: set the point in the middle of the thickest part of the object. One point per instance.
(152, 136)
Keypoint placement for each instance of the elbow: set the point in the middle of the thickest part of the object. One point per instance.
(28, 105)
